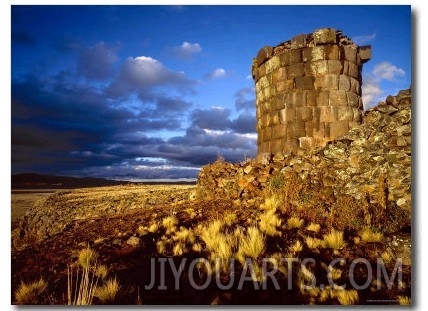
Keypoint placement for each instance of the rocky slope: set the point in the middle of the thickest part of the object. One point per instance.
(372, 163)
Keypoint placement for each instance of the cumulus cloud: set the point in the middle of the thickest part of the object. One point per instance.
(142, 73)
(216, 74)
(376, 82)
(387, 71)
(96, 62)
(187, 50)
(364, 39)
(371, 92)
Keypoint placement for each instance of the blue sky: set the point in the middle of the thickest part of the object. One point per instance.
(135, 92)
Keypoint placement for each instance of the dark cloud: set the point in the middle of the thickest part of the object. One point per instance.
(216, 118)
(245, 123)
(245, 99)
(167, 105)
(65, 127)
(96, 62)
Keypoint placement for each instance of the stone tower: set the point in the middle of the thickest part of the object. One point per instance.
(308, 90)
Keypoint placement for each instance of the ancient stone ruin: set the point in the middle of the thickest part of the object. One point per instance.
(308, 90)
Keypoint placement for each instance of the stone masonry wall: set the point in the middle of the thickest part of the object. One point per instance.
(308, 90)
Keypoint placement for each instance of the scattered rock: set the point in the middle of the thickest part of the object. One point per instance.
(133, 241)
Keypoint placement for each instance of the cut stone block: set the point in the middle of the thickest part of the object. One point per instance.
(304, 83)
(324, 35)
(264, 54)
(298, 42)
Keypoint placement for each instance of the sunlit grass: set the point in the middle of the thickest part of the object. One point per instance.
(251, 245)
(333, 240)
(230, 219)
(404, 300)
(367, 235)
(313, 243)
(170, 223)
(313, 227)
(294, 222)
(28, 293)
(269, 222)
(271, 203)
(108, 292)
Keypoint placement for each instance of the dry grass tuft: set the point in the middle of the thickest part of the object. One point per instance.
(170, 223)
(334, 240)
(294, 222)
(271, 203)
(108, 292)
(313, 227)
(367, 235)
(251, 245)
(269, 222)
(230, 219)
(28, 293)
(153, 228)
(313, 243)
(404, 301)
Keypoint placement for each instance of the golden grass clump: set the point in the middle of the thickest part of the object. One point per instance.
(294, 222)
(108, 292)
(313, 243)
(81, 285)
(345, 297)
(269, 222)
(367, 235)
(404, 301)
(87, 257)
(184, 235)
(230, 219)
(386, 256)
(296, 248)
(251, 245)
(219, 244)
(333, 240)
(313, 227)
(29, 293)
(154, 227)
(101, 272)
(170, 223)
(271, 203)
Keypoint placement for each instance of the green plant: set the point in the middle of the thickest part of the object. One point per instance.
(276, 182)
(29, 293)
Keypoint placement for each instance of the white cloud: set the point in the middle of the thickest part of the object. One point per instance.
(371, 93)
(387, 71)
(374, 83)
(187, 49)
(216, 74)
(364, 39)
(191, 47)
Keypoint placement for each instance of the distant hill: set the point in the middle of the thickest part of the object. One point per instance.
(38, 181)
